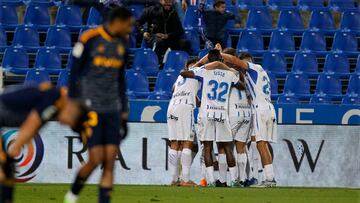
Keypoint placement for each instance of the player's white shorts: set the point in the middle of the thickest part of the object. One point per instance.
(180, 121)
(240, 124)
(216, 130)
(264, 123)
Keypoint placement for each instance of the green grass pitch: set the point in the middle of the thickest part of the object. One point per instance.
(39, 193)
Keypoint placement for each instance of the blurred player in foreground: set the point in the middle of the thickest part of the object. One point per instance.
(43, 103)
(214, 105)
(180, 121)
(98, 78)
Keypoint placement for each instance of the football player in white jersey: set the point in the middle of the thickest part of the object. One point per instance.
(214, 106)
(258, 84)
(180, 121)
(240, 120)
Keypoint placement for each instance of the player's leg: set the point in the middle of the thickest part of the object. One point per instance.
(174, 154)
(203, 181)
(230, 159)
(254, 162)
(223, 166)
(107, 178)
(241, 160)
(186, 160)
(208, 148)
(96, 157)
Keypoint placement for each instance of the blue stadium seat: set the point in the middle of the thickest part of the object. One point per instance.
(307, 63)
(63, 79)
(248, 4)
(228, 3)
(260, 19)
(191, 19)
(273, 86)
(310, 4)
(69, 60)
(346, 42)
(15, 60)
(288, 99)
(35, 77)
(351, 100)
(351, 21)
(59, 38)
(164, 83)
(354, 85)
(49, 60)
(337, 63)
(297, 84)
(330, 85)
(339, 5)
(357, 69)
(137, 84)
(12, 2)
(146, 60)
(176, 60)
(94, 18)
(313, 41)
(69, 16)
(250, 41)
(193, 36)
(26, 37)
(230, 25)
(282, 41)
(38, 16)
(291, 20)
(322, 19)
(41, 2)
(3, 39)
(136, 10)
(8, 17)
(320, 99)
(281, 4)
(275, 63)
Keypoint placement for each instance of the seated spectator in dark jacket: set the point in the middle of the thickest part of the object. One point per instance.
(215, 22)
(164, 29)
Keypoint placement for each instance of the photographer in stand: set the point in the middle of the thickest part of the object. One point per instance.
(164, 28)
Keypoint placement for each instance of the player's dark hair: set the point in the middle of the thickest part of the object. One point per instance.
(119, 13)
(230, 51)
(191, 61)
(218, 3)
(245, 55)
(214, 55)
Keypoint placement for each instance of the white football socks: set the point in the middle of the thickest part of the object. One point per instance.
(233, 173)
(173, 159)
(241, 161)
(222, 168)
(269, 172)
(186, 159)
(210, 174)
(254, 163)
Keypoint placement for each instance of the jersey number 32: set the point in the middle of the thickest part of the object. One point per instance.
(218, 91)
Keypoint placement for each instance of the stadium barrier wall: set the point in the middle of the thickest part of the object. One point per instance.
(305, 155)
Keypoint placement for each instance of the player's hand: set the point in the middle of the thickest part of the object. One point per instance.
(184, 5)
(14, 150)
(218, 47)
(146, 35)
(162, 36)
(124, 126)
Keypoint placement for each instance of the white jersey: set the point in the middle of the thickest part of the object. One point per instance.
(258, 84)
(185, 91)
(215, 92)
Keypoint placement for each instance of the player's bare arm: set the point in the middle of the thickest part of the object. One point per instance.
(219, 65)
(236, 62)
(28, 130)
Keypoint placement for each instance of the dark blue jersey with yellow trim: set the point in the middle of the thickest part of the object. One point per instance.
(98, 75)
(25, 99)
